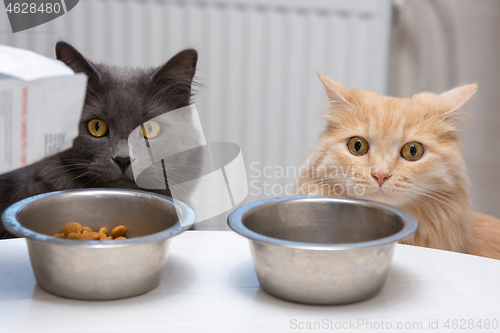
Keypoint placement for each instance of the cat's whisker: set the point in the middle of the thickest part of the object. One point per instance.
(58, 173)
(435, 191)
(82, 175)
(73, 166)
(91, 180)
(69, 165)
(449, 203)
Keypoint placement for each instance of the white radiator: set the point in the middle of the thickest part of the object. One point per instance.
(257, 61)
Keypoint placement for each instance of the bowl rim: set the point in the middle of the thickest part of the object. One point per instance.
(10, 222)
(235, 222)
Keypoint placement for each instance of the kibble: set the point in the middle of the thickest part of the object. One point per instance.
(73, 227)
(118, 231)
(75, 230)
(86, 236)
(74, 235)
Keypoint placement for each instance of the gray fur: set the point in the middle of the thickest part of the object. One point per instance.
(123, 98)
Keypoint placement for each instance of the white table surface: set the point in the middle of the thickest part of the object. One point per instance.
(209, 285)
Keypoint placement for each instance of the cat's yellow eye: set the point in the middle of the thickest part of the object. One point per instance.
(150, 129)
(412, 151)
(358, 146)
(97, 127)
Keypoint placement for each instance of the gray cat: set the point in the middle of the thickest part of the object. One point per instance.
(118, 100)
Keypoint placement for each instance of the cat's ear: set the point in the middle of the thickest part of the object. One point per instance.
(457, 97)
(176, 76)
(76, 61)
(455, 100)
(336, 92)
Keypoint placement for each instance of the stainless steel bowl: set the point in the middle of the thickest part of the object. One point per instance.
(95, 270)
(322, 250)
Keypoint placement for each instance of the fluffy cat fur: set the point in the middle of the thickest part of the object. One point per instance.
(123, 98)
(433, 188)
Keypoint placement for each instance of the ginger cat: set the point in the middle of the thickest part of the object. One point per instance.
(404, 152)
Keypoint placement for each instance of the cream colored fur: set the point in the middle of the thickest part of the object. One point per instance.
(433, 188)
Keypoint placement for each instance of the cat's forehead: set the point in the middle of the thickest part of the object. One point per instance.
(122, 94)
(385, 118)
(123, 76)
(125, 87)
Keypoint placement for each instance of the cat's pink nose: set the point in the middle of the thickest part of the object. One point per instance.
(381, 177)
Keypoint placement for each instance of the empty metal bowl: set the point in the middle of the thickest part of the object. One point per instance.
(322, 250)
(98, 270)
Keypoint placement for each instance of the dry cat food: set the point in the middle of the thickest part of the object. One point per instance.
(74, 230)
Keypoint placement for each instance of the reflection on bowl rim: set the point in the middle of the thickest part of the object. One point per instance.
(12, 224)
(235, 221)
